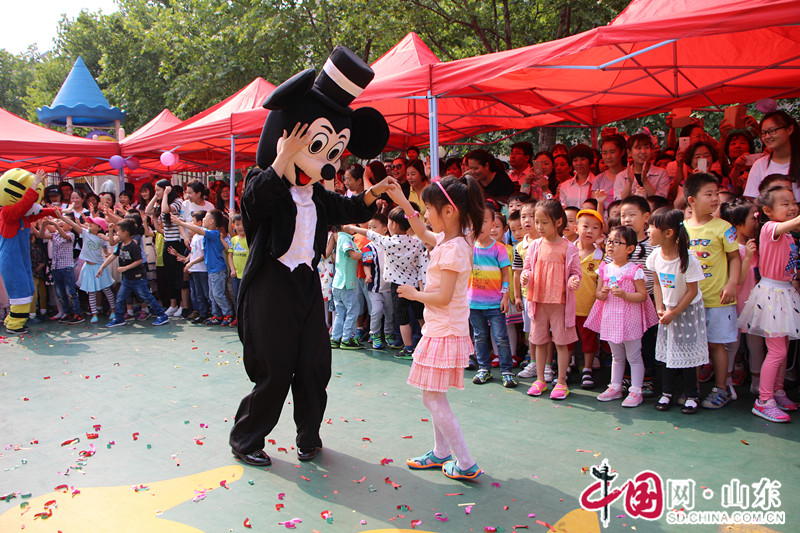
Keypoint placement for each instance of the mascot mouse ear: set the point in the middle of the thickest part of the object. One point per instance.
(291, 91)
(369, 133)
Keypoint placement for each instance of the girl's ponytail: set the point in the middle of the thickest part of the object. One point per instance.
(683, 244)
(474, 207)
(665, 219)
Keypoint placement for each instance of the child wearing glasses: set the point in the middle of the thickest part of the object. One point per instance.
(780, 136)
(622, 314)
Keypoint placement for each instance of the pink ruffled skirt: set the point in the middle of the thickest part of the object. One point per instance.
(439, 363)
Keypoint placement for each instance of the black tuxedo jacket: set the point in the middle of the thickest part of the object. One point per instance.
(269, 213)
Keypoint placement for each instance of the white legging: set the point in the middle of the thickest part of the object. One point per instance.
(446, 430)
(632, 351)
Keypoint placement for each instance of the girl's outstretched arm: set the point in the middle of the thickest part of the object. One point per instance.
(414, 218)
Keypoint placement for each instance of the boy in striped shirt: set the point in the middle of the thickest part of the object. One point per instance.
(488, 303)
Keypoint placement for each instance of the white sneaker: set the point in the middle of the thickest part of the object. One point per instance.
(178, 312)
(528, 372)
(171, 311)
(549, 376)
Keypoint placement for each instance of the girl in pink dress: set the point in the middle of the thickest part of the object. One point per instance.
(454, 209)
(622, 313)
(773, 309)
(742, 214)
(552, 271)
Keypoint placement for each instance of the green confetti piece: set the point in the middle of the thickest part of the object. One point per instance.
(149, 446)
(251, 482)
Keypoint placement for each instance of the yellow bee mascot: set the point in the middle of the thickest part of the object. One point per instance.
(20, 192)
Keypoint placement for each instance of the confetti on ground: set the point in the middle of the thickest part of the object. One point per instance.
(415, 523)
(441, 517)
(246, 523)
(745, 442)
(392, 483)
(386, 461)
(455, 494)
(496, 485)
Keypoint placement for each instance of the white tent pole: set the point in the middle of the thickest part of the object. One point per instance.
(433, 128)
(231, 202)
(121, 180)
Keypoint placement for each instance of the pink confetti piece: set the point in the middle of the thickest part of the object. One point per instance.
(304, 477)
(360, 480)
(415, 523)
(532, 515)
(584, 451)
(468, 509)
(224, 484)
(392, 483)
(281, 495)
(441, 517)
(490, 529)
(496, 485)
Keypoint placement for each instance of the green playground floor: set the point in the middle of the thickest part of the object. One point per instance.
(159, 403)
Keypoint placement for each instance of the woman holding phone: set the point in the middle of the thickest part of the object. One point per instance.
(701, 156)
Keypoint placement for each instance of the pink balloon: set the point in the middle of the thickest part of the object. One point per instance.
(168, 159)
(132, 163)
(116, 162)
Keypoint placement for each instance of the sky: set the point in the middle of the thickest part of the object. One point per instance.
(27, 22)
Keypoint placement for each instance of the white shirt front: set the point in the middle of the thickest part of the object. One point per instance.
(672, 280)
(189, 208)
(305, 224)
(761, 169)
(570, 194)
(657, 177)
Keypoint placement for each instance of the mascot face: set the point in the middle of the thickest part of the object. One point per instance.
(13, 185)
(321, 158)
(323, 103)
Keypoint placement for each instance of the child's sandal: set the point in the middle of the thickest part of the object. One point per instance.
(452, 471)
(429, 460)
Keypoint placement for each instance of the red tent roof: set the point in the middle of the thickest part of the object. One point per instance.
(206, 137)
(655, 56)
(402, 80)
(163, 121)
(26, 145)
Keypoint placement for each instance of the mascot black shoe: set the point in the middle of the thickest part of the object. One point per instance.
(286, 212)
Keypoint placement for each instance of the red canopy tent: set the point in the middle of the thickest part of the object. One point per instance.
(208, 138)
(400, 92)
(26, 145)
(653, 57)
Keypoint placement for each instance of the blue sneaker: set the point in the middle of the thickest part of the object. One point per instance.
(116, 322)
(161, 320)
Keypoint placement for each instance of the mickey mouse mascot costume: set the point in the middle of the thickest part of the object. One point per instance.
(286, 213)
(20, 192)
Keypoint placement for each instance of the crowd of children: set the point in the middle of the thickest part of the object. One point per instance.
(659, 270)
(662, 290)
(183, 250)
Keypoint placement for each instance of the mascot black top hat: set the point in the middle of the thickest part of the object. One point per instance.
(286, 214)
(323, 104)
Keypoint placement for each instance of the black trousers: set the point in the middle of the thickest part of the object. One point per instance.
(286, 345)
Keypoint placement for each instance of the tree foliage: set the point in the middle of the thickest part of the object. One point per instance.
(187, 55)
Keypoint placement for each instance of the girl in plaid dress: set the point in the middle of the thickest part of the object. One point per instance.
(454, 210)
